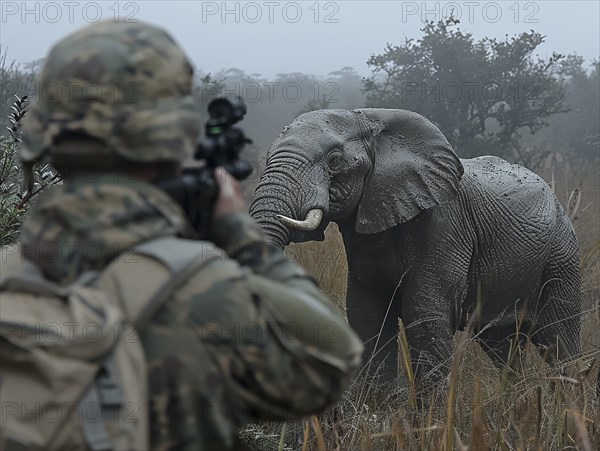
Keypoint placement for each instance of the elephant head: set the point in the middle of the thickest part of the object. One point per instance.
(375, 167)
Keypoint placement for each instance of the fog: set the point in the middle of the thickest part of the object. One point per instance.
(274, 37)
(288, 57)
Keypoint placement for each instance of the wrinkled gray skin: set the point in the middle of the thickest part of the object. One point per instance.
(428, 232)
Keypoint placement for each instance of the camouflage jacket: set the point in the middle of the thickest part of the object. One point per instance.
(279, 355)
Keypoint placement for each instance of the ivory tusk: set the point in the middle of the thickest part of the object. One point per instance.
(312, 221)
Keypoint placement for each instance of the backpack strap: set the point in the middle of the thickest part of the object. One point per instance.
(106, 393)
(170, 262)
(94, 431)
(181, 259)
(139, 281)
(139, 288)
(177, 253)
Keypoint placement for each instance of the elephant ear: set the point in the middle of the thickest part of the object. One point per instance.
(414, 168)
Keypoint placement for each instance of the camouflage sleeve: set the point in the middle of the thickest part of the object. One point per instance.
(294, 352)
(247, 338)
(233, 347)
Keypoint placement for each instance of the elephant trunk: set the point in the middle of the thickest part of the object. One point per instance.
(291, 198)
(274, 197)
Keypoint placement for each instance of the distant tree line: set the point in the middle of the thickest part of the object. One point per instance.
(487, 96)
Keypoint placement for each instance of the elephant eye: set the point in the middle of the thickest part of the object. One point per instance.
(335, 162)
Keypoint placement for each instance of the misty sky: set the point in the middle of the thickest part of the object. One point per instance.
(270, 37)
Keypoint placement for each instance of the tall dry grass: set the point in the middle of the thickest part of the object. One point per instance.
(527, 407)
(326, 261)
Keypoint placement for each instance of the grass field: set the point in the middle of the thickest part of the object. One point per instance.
(482, 407)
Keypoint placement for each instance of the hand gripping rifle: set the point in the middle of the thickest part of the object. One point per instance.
(196, 189)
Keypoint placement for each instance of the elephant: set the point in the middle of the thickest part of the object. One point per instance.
(441, 242)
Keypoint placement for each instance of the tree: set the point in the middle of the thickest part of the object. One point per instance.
(341, 89)
(481, 94)
(578, 132)
(347, 84)
(15, 81)
(15, 196)
(314, 105)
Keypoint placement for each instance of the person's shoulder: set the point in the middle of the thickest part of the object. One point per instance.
(188, 255)
(212, 287)
(206, 264)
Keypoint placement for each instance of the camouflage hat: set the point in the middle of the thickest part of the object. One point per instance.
(128, 84)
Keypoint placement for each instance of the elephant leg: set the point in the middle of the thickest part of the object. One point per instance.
(366, 310)
(432, 292)
(427, 321)
(558, 311)
(499, 344)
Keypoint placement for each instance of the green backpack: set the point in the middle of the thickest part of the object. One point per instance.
(73, 372)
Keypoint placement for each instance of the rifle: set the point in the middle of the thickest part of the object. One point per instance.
(196, 189)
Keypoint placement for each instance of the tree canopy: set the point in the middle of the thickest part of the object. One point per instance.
(481, 94)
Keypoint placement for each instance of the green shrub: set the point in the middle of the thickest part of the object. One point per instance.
(15, 197)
